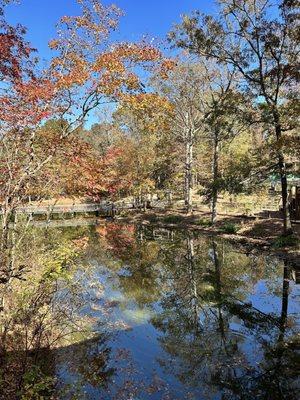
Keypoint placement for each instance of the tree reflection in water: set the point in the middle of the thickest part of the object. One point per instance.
(123, 312)
(221, 357)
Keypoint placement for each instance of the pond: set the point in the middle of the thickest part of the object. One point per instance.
(172, 315)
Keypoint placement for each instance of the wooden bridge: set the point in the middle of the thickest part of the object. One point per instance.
(99, 209)
(104, 209)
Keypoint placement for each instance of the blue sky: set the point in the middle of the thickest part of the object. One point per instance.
(153, 18)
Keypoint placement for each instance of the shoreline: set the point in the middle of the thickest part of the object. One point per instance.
(290, 254)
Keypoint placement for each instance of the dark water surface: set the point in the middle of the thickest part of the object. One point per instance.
(181, 316)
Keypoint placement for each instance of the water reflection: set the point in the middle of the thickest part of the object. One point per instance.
(170, 315)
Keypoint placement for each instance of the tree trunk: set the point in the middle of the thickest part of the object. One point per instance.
(287, 225)
(215, 172)
(188, 172)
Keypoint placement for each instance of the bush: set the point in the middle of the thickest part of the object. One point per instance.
(152, 218)
(36, 385)
(230, 228)
(283, 241)
(203, 222)
(173, 219)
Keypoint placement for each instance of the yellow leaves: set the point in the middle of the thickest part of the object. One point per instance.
(110, 62)
(137, 52)
(166, 66)
(87, 61)
(115, 67)
(58, 260)
(53, 44)
(148, 102)
(132, 81)
(66, 19)
(154, 112)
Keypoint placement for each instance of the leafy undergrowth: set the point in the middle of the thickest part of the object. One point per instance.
(229, 227)
(173, 219)
(286, 241)
(152, 218)
(203, 222)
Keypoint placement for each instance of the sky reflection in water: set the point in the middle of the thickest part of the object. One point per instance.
(184, 317)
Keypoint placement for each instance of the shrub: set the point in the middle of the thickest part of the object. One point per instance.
(230, 228)
(152, 218)
(283, 241)
(36, 385)
(173, 219)
(203, 222)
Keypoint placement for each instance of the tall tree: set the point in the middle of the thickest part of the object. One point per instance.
(146, 120)
(185, 89)
(225, 118)
(260, 40)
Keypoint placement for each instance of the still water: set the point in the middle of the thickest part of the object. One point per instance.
(175, 315)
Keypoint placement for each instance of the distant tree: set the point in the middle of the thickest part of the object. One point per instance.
(225, 117)
(103, 136)
(185, 90)
(145, 120)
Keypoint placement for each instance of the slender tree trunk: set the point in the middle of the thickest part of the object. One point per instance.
(5, 230)
(287, 225)
(7, 210)
(215, 172)
(188, 171)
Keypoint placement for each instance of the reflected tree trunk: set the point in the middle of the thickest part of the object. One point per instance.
(218, 286)
(218, 291)
(284, 303)
(193, 284)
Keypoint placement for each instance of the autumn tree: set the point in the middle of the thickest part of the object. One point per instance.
(146, 120)
(102, 136)
(87, 70)
(78, 168)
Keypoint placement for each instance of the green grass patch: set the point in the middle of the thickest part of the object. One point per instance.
(286, 241)
(229, 227)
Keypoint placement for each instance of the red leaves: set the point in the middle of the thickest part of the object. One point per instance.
(14, 52)
(82, 171)
(23, 97)
(27, 103)
(36, 90)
